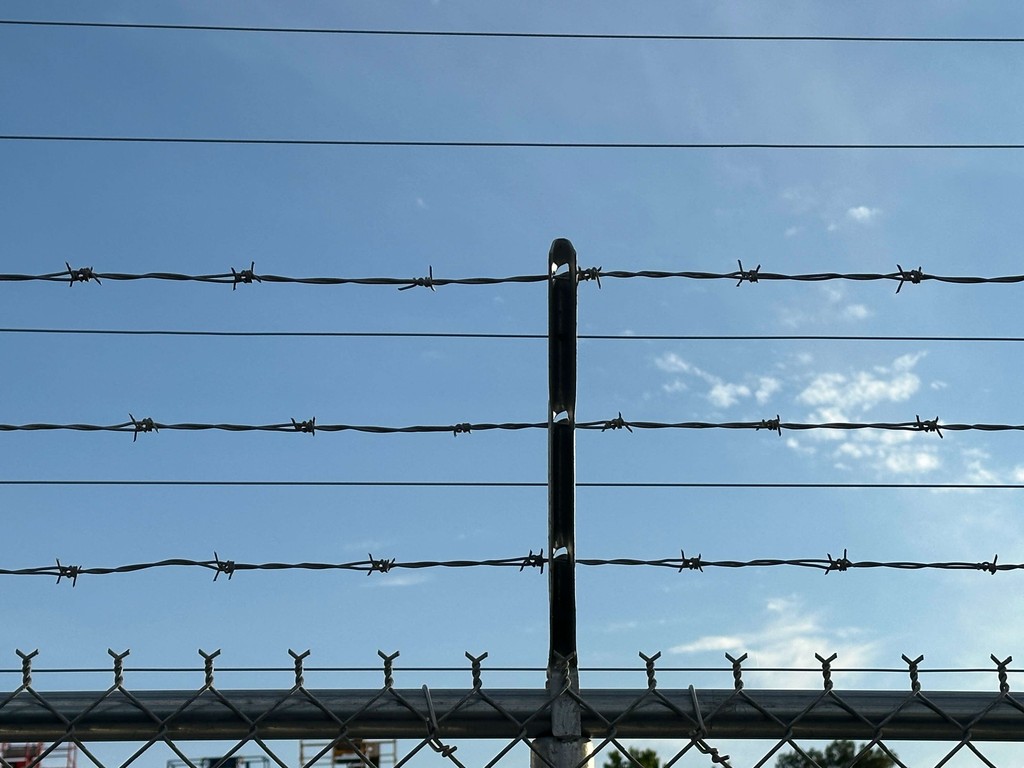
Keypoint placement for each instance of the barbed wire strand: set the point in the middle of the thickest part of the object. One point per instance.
(496, 335)
(310, 426)
(483, 144)
(229, 568)
(513, 35)
(248, 276)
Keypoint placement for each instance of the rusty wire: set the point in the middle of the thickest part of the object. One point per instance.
(246, 276)
(538, 561)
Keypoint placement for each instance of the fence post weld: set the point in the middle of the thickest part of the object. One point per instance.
(82, 275)
(389, 661)
(826, 669)
(915, 683)
(1004, 686)
(208, 666)
(913, 275)
(26, 666)
(839, 564)
(737, 671)
(652, 681)
(475, 661)
(245, 276)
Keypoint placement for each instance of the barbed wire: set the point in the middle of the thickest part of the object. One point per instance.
(621, 36)
(248, 276)
(497, 335)
(539, 561)
(310, 427)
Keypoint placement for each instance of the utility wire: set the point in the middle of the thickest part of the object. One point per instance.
(248, 276)
(139, 426)
(511, 35)
(533, 561)
(497, 484)
(520, 336)
(512, 144)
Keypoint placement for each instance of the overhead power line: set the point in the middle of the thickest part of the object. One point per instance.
(512, 35)
(309, 426)
(485, 144)
(538, 561)
(495, 335)
(248, 276)
(498, 484)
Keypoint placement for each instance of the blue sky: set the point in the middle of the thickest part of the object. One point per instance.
(337, 211)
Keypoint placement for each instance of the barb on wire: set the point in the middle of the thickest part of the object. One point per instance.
(519, 563)
(928, 425)
(741, 275)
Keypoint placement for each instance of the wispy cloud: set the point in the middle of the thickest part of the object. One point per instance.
(720, 392)
(862, 214)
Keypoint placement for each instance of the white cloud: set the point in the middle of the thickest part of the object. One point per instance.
(793, 231)
(721, 393)
(724, 394)
(789, 637)
(911, 462)
(862, 214)
(856, 312)
(766, 387)
(863, 390)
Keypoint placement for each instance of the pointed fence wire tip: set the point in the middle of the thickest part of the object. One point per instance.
(772, 425)
(915, 683)
(838, 564)
(591, 273)
(1004, 686)
(142, 425)
(914, 276)
(118, 665)
(748, 276)
(81, 275)
(68, 572)
(652, 681)
(298, 657)
(245, 276)
(476, 661)
(208, 665)
(462, 429)
(617, 423)
(223, 566)
(689, 563)
(422, 282)
(389, 667)
(928, 425)
(826, 669)
(991, 567)
(737, 670)
(305, 426)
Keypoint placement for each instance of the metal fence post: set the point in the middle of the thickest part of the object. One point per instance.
(565, 747)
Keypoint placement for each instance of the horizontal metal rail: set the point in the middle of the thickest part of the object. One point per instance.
(120, 715)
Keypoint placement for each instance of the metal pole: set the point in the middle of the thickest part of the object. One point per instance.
(94, 716)
(565, 747)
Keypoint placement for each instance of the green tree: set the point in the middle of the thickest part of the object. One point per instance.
(838, 754)
(648, 758)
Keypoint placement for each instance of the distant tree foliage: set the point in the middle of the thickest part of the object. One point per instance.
(648, 758)
(838, 754)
